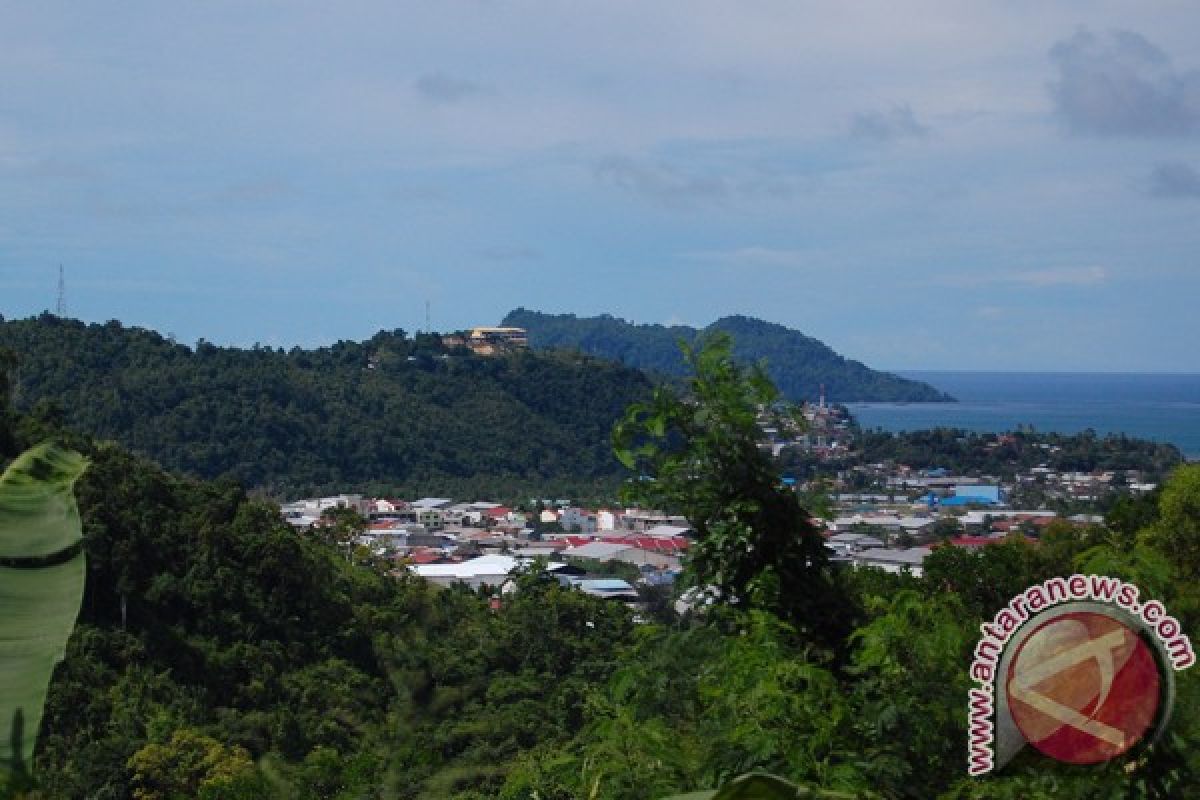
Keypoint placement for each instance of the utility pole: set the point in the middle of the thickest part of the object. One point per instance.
(61, 308)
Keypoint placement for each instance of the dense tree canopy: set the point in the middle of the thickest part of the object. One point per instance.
(798, 364)
(220, 654)
(701, 455)
(395, 414)
(1003, 455)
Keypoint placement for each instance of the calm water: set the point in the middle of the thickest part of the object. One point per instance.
(1164, 408)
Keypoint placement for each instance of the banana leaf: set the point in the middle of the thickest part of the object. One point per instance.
(42, 574)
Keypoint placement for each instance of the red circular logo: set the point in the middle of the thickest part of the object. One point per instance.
(1083, 688)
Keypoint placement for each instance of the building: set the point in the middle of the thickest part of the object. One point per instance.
(893, 560)
(975, 495)
(487, 341)
(490, 570)
(849, 543)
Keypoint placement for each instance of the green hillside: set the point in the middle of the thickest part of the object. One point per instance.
(798, 364)
(220, 655)
(394, 412)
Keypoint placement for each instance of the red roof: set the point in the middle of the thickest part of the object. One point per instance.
(972, 541)
(498, 511)
(655, 544)
(576, 541)
(425, 556)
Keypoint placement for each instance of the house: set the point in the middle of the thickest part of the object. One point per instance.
(847, 543)
(983, 493)
(579, 520)
(597, 551)
(314, 506)
(642, 551)
(486, 341)
(431, 502)
(973, 542)
(893, 560)
(638, 520)
(489, 570)
(608, 588)
(383, 508)
(670, 531)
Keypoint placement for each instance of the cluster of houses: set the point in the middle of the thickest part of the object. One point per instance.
(896, 528)
(482, 544)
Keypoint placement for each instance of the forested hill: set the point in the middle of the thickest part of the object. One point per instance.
(393, 413)
(798, 364)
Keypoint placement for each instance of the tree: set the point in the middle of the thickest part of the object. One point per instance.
(1177, 530)
(700, 454)
(342, 525)
(190, 765)
(946, 528)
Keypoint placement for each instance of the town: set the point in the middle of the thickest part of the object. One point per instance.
(612, 551)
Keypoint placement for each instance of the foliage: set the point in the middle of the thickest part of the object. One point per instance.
(219, 653)
(1003, 455)
(700, 455)
(1177, 529)
(799, 365)
(41, 586)
(191, 765)
(394, 414)
(758, 786)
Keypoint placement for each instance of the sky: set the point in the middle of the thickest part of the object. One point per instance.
(990, 185)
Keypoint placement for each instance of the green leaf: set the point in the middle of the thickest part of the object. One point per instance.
(759, 786)
(41, 587)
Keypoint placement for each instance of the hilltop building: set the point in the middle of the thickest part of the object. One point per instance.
(487, 341)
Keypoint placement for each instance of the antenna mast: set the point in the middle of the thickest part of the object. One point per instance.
(428, 327)
(61, 308)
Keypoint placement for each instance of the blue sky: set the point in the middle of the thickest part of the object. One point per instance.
(1008, 185)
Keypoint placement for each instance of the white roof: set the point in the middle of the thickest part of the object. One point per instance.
(913, 555)
(475, 567)
(601, 551)
(536, 552)
(667, 530)
(426, 503)
(848, 538)
(976, 517)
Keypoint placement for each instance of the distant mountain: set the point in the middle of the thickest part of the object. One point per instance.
(797, 363)
(393, 412)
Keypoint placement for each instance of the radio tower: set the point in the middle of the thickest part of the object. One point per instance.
(428, 327)
(61, 308)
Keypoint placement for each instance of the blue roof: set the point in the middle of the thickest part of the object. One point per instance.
(606, 585)
(968, 500)
(984, 490)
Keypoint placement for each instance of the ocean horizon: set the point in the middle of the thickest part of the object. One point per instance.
(1162, 407)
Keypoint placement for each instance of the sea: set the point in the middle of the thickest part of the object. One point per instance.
(1160, 407)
